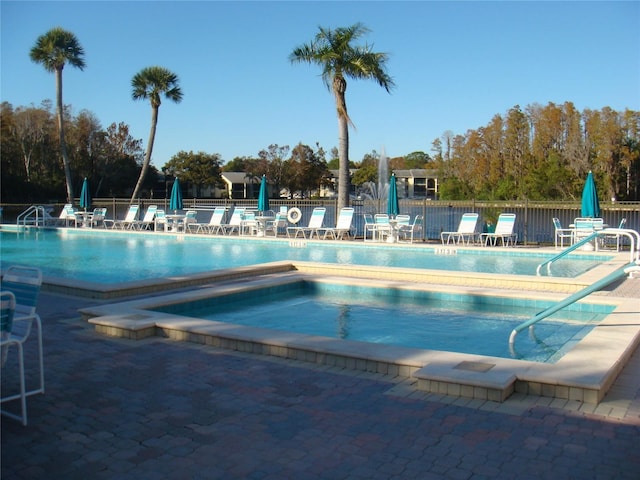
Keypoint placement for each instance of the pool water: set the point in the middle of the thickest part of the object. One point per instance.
(420, 319)
(109, 258)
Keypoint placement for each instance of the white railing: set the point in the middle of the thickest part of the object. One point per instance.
(34, 215)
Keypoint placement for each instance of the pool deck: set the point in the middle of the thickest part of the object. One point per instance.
(157, 408)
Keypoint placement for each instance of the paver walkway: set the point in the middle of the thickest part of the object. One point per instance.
(158, 409)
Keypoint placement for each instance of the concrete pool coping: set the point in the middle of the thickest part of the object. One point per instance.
(584, 374)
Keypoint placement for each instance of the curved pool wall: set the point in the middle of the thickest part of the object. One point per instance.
(584, 374)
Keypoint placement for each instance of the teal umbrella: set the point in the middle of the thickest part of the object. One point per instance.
(392, 206)
(85, 195)
(175, 202)
(263, 198)
(590, 204)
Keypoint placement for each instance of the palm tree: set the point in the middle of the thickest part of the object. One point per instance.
(53, 50)
(152, 83)
(333, 51)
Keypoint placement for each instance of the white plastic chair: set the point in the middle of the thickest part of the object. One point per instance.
(214, 225)
(279, 223)
(235, 222)
(369, 227)
(343, 225)
(561, 233)
(189, 219)
(410, 231)
(466, 232)
(504, 231)
(382, 227)
(7, 310)
(248, 225)
(147, 220)
(315, 224)
(127, 222)
(24, 283)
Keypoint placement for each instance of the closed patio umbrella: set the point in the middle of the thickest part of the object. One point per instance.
(175, 202)
(590, 203)
(263, 198)
(85, 195)
(392, 206)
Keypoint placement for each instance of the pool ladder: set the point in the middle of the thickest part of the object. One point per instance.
(35, 215)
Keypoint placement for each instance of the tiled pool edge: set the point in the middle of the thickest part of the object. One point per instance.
(574, 377)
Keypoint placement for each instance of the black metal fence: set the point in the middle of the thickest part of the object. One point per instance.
(534, 223)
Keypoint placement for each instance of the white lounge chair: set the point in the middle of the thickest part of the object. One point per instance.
(466, 232)
(315, 223)
(343, 225)
(410, 232)
(67, 215)
(235, 222)
(214, 225)
(147, 220)
(504, 231)
(128, 220)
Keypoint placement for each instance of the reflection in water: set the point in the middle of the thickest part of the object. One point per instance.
(343, 321)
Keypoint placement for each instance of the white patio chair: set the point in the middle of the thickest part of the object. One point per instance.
(24, 283)
(410, 232)
(7, 340)
(561, 233)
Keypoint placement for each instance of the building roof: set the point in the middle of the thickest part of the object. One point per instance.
(239, 177)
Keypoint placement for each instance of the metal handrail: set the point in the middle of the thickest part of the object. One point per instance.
(40, 215)
(632, 235)
(570, 249)
(603, 282)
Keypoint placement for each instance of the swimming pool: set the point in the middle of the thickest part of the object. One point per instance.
(474, 324)
(109, 257)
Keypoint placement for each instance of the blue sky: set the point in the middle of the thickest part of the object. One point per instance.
(455, 65)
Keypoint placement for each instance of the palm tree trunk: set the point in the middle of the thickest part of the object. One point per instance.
(344, 182)
(63, 143)
(147, 155)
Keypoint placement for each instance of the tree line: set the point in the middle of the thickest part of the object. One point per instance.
(542, 153)
(539, 152)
